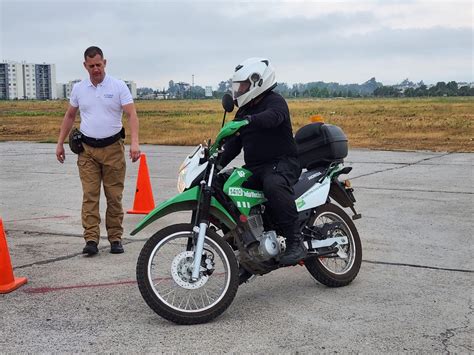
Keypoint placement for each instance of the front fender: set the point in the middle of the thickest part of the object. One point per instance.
(186, 201)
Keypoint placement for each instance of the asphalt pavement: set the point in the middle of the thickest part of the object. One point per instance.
(413, 293)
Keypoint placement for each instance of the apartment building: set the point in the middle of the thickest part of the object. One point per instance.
(64, 90)
(45, 75)
(11, 80)
(3, 81)
(132, 86)
(26, 81)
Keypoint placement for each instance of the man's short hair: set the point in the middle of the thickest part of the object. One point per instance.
(92, 51)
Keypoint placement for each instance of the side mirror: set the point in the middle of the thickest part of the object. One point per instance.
(228, 102)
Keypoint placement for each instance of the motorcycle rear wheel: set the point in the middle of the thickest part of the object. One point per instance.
(334, 271)
(164, 271)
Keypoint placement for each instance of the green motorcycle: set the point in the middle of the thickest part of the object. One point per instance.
(189, 273)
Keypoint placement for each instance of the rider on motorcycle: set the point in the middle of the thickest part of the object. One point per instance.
(269, 148)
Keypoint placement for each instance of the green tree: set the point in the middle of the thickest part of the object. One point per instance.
(421, 91)
(225, 86)
(410, 92)
(314, 92)
(452, 88)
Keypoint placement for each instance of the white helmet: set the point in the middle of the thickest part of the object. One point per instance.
(252, 77)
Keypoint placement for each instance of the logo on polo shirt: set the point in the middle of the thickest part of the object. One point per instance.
(109, 96)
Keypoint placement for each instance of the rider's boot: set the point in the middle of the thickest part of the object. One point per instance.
(294, 252)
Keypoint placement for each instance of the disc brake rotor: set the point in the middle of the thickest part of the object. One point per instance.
(182, 269)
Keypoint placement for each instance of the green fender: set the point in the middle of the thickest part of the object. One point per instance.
(185, 201)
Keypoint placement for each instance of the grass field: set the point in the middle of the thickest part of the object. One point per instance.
(437, 124)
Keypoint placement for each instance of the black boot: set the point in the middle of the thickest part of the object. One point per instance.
(90, 248)
(116, 247)
(294, 252)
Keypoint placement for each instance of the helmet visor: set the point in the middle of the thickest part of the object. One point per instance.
(240, 87)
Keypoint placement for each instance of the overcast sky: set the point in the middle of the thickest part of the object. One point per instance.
(153, 42)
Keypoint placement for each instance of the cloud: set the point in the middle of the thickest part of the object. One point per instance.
(152, 42)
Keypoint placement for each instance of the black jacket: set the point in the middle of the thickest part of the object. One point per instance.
(269, 136)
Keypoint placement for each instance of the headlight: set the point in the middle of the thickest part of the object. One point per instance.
(191, 168)
(183, 170)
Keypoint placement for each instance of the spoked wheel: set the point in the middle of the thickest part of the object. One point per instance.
(339, 269)
(164, 271)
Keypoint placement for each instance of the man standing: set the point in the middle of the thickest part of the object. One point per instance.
(269, 148)
(101, 100)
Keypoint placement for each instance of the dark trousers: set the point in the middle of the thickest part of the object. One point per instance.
(276, 180)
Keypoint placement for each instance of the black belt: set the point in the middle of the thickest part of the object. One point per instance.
(103, 142)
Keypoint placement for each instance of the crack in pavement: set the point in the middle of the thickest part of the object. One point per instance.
(65, 257)
(126, 242)
(44, 233)
(35, 219)
(452, 332)
(414, 190)
(356, 162)
(45, 207)
(28, 232)
(417, 266)
(403, 165)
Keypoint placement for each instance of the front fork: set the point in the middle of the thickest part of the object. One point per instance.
(202, 217)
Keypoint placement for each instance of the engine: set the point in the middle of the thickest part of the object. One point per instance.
(269, 244)
(268, 247)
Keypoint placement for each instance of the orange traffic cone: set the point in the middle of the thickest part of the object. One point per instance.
(144, 201)
(8, 282)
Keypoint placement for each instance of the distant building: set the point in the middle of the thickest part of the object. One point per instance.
(407, 84)
(61, 91)
(132, 86)
(64, 90)
(69, 86)
(45, 75)
(3, 81)
(178, 90)
(183, 86)
(464, 83)
(11, 81)
(27, 81)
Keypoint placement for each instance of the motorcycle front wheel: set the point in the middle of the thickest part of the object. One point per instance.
(332, 270)
(164, 270)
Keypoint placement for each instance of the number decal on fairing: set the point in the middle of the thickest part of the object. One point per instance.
(235, 191)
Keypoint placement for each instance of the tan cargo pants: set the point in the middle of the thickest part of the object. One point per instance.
(105, 166)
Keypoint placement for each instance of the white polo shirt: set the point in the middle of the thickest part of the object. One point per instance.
(100, 107)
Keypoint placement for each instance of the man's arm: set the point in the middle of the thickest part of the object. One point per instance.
(66, 126)
(275, 113)
(232, 148)
(131, 113)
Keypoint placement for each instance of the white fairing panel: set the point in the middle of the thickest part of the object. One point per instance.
(191, 169)
(315, 196)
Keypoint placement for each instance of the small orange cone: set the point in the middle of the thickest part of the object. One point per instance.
(8, 282)
(144, 201)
